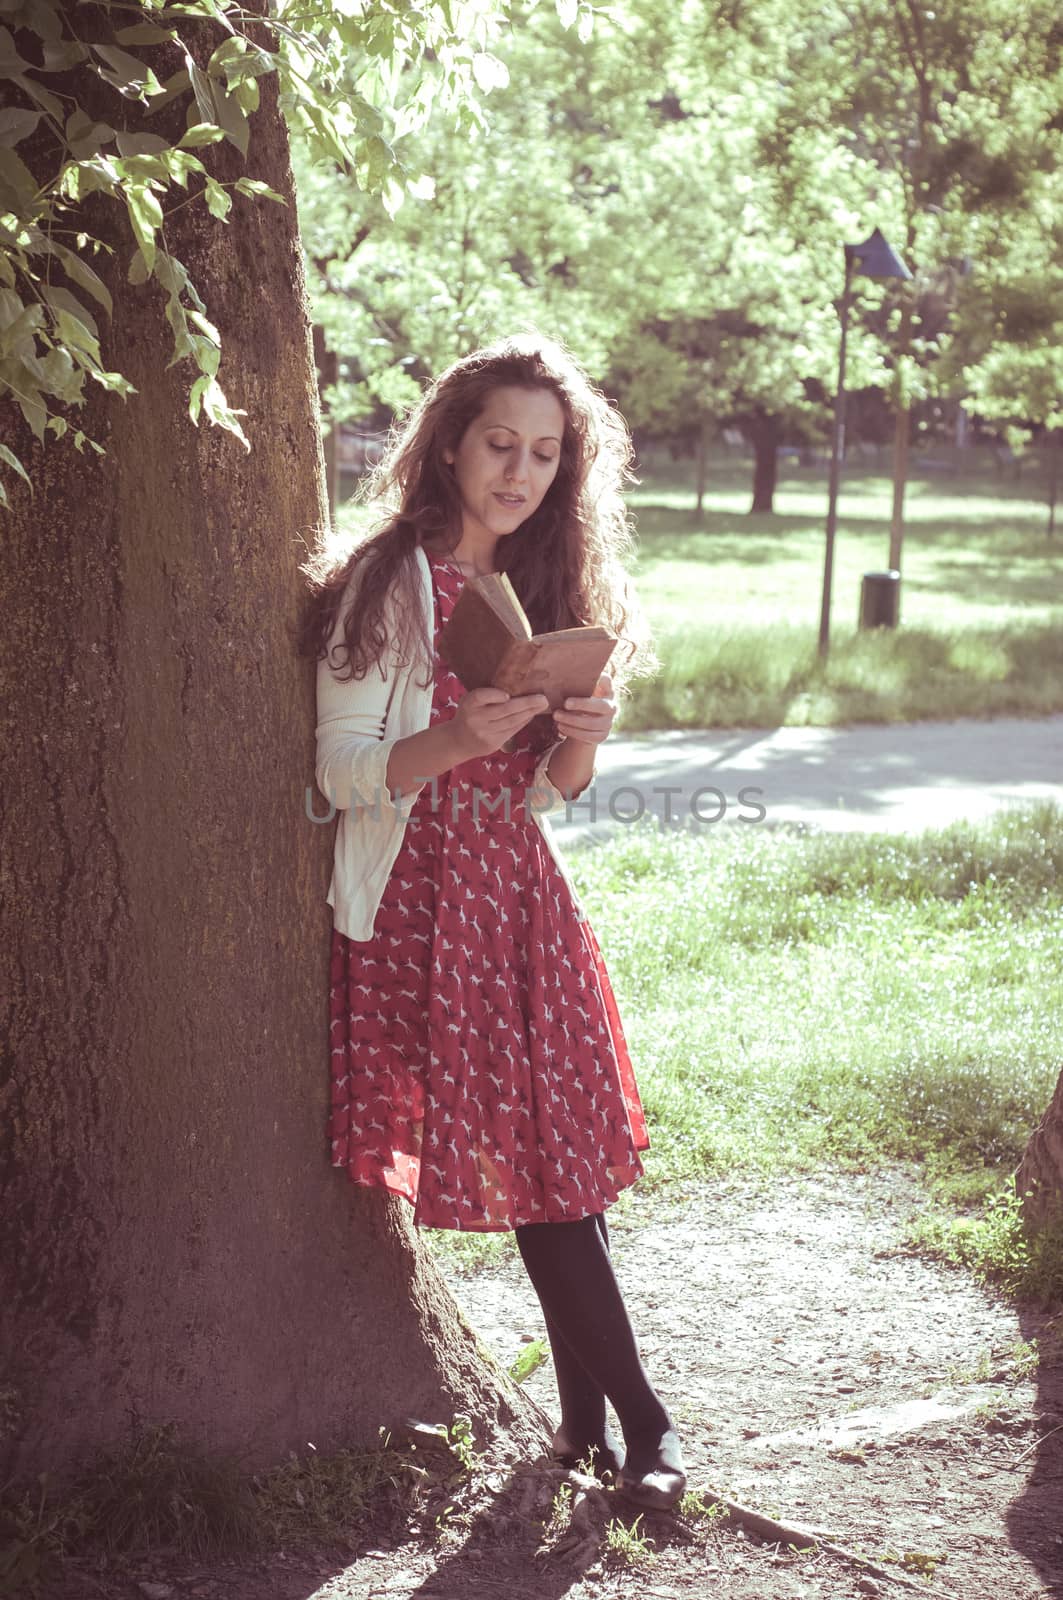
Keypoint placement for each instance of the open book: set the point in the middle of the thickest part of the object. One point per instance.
(488, 640)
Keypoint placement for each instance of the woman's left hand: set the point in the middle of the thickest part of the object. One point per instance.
(588, 721)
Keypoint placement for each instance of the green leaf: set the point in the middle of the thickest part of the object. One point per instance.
(228, 51)
(207, 354)
(113, 382)
(139, 271)
(16, 125)
(12, 64)
(47, 101)
(489, 72)
(145, 214)
(203, 90)
(567, 12)
(220, 412)
(232, 119)
(219, 200)
(13, 461)
(199, 134)
(252, 186)
(378, 159)
(62, 54)
(195, 396)
(62, 301)
(86, 137)
(83, 274)
(180, 164)
(126, 73)
(141, 144)
(26, 388)
(176, 84)
(206, 325)
(42, 18)
(18, 186)
(18, 325)
(246, 95)
(145, 33)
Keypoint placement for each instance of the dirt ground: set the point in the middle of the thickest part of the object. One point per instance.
(819, 1374)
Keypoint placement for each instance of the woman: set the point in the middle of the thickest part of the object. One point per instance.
(479, 1066)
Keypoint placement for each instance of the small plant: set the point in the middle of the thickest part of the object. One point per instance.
(693, 1507)
(626, 1547)
(530, 1359)
(922, 1561)
(460, 1439)
(997, 1247)
(1025, 1358)
(560, 1513)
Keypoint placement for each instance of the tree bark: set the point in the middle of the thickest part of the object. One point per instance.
(763, 432)
(327, 363)
(175, 1244)
(1039, 1180)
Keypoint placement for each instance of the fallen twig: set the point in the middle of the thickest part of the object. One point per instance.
(1031, 1447)
(804, 1538)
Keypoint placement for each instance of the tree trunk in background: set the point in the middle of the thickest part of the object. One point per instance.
(702, 465)
(1039, 1179)
(176, 1246)
(763, 432)
(901, 438)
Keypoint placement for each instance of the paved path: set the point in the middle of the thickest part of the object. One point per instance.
(899, 778)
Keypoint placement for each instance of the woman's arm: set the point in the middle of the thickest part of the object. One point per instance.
(584, 724)
(483, 721)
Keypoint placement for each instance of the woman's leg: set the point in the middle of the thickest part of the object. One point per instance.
(569, 1266)
(584, 1433)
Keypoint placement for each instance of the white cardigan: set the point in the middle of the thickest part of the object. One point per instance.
(357, 724)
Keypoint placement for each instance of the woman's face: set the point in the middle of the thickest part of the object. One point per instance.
(507, 460)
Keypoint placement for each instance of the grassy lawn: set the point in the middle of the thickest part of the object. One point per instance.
(734, 600)
(801, 1002)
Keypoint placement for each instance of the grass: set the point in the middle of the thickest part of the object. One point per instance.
(795, 1002)
(163, 1493)
(734, 600)
(800, 1000)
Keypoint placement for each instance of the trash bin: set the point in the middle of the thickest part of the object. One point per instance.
(880, 599)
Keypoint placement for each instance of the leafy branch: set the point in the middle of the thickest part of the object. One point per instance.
(355, 85)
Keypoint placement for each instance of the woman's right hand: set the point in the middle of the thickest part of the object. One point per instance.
(486, 718)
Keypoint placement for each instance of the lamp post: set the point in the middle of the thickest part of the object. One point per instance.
(875, 258)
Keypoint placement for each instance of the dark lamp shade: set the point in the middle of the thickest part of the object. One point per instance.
(876, 258)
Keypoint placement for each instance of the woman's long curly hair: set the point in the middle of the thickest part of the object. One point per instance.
(566, 562)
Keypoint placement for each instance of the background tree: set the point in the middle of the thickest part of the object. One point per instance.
(176, 1247)
(957, 108)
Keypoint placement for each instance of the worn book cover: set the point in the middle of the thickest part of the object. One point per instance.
(488, 640)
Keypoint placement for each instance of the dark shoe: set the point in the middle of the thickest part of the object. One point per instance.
(661, 1485)
(606, 1457)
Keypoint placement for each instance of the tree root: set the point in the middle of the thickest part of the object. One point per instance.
(802, 1537)
(593, 1507)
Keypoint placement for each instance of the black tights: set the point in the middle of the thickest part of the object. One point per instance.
(593, 1345)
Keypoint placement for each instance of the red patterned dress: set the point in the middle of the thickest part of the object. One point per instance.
(478, 1061)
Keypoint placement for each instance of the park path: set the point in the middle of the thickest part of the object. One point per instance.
(896, 777)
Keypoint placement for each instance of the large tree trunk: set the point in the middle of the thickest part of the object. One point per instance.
(763, 432)
(1039, 1180)
(177, 1247)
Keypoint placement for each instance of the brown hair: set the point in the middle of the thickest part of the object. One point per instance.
(565, 562)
